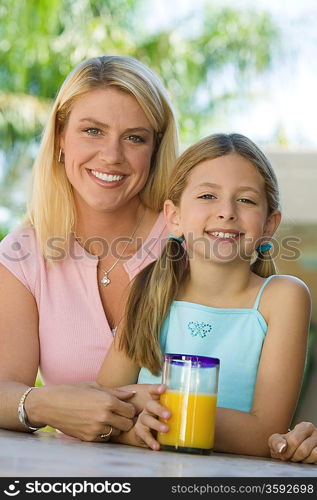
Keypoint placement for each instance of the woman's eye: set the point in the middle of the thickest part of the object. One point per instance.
(246, 200)
(93, 131)
(206, 196)
(135, 138)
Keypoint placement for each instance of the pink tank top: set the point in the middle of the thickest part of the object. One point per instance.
(73, 329)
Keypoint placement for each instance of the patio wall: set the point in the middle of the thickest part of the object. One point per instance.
(297, 175)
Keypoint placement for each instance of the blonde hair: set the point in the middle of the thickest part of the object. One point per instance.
(156, 286)
(51, 210)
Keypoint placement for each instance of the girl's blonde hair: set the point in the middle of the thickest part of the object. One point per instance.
(156, 286)
(51, 210)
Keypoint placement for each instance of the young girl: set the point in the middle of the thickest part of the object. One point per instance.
(214, 292)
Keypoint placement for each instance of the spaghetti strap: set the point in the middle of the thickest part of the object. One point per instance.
(258, 298)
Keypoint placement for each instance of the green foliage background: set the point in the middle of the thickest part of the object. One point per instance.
(205, 62)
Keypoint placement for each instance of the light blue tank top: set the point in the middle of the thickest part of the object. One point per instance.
(235, 336)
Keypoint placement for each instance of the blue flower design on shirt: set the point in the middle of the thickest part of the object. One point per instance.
(199, 329)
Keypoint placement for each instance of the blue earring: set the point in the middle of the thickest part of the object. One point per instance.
(264, 248)
(180, 238)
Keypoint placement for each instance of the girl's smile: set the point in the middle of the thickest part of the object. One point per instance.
(225, 234)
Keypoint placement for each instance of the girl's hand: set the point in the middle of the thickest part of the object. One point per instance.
(142, 394)
(298, 445)
(147, 423)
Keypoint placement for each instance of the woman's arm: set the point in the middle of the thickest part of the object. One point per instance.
(279, 375)
(19, 353)
(80, 410)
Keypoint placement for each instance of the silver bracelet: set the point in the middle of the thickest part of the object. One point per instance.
(21, 412)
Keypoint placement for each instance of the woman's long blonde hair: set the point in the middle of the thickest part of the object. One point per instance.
(156, 286)
(51, 210)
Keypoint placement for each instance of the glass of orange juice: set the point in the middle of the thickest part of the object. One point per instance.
(191, 397)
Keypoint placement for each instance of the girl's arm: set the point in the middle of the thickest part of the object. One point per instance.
(280, 373)
(117, 370)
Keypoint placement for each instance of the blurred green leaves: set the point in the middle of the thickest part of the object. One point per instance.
(204, 61)
(22, 116)
(41, 41)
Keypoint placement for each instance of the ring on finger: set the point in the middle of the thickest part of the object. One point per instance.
(104, 436)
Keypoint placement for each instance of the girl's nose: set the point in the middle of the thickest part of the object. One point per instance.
(226, 212)
(226, 217)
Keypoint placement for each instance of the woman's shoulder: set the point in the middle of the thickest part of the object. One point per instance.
(157, 223)
(22, 238)
(151, 247)
(20, 254)
(20, 231)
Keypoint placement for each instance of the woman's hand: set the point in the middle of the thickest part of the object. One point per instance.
(83, 410)
(298, 445)
(147, 423)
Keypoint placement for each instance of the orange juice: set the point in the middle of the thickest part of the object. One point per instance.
(192, 423)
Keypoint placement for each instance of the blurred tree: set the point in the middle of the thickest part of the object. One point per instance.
(203, 62)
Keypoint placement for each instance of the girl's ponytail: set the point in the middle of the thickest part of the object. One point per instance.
(150, 297)
(264, 265)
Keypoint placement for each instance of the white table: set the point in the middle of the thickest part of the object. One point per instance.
(55, 455)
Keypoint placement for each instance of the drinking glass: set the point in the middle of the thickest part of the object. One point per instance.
(191, 397)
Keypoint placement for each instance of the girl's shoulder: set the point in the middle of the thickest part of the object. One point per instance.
(287, 282)
(287, 291)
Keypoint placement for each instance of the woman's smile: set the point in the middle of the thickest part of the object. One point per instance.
(106, 179)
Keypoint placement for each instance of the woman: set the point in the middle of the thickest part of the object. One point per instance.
(99, 185)
(93, 222)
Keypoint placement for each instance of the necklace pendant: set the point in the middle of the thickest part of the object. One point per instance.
(105, 280)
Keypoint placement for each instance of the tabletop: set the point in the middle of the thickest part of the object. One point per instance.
(56, 455)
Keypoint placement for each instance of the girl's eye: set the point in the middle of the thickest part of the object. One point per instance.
(246, 200)
(135, 138)
(207, 196)
(92, 131)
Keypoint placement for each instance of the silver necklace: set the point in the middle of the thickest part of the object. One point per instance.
(105, 280)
